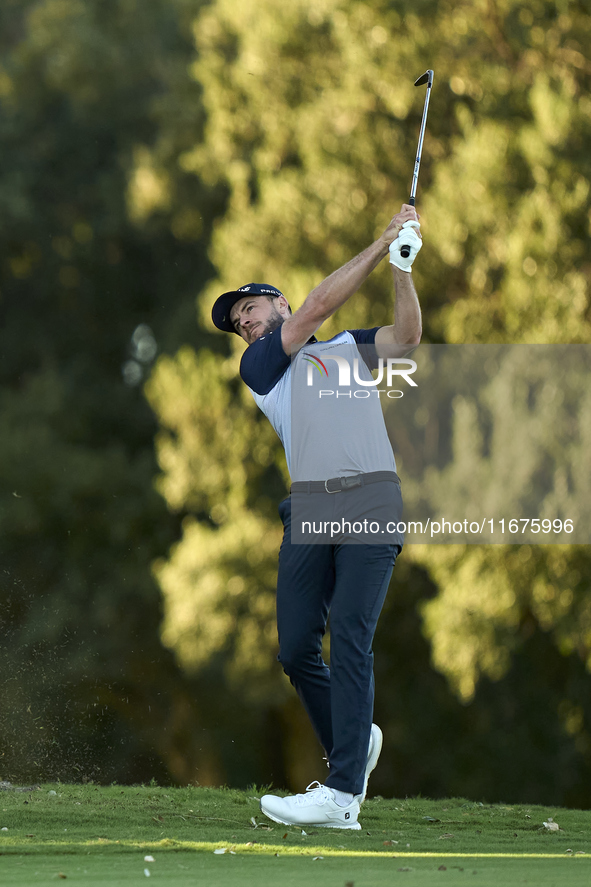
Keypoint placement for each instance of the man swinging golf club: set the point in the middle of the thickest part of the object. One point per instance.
(349, 581)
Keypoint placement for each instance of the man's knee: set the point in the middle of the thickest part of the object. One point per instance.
(297, 658)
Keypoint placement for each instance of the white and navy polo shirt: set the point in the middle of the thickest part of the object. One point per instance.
(324, 435)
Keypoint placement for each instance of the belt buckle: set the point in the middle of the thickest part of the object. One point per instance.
(345, 483)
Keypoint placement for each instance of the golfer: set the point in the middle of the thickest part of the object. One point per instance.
(347, 581)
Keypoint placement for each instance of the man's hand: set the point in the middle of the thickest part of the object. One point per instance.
(403, 250)
(407, 214)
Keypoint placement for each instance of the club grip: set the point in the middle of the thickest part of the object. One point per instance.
(405, 250)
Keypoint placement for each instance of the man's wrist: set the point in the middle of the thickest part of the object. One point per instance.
(383, 246)
(399, 273)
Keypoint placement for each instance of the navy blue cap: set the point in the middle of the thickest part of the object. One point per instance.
(220, 313)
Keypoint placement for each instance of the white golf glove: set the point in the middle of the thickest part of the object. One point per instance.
(407, 237)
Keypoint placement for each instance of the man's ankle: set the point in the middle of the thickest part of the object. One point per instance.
(343, 799)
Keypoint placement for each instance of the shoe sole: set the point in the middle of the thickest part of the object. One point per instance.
(378, 738)
(355, 826)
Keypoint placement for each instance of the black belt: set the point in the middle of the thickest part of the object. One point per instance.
(340, 484)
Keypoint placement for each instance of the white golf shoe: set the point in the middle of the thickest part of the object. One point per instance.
(317, 807)
(375, 746)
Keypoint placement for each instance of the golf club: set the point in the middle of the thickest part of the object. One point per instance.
(427, 78)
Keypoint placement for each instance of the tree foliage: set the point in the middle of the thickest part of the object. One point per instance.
(90, 289)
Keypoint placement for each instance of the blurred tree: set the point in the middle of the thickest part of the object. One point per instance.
(524, 737)
(311, 130)
(102, 249)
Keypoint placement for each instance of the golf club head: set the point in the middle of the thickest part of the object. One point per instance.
(427, 77)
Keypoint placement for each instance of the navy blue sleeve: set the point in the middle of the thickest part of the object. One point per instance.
(364, 337)
(366, 340)
(264, 362)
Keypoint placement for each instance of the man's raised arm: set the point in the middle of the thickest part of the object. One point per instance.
(405, 333)
(339, 286)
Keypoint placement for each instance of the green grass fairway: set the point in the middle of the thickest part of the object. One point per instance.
(101, 836)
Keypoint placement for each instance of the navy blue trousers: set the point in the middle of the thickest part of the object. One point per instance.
(349, 582)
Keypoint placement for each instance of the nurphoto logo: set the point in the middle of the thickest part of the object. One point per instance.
(392, 367)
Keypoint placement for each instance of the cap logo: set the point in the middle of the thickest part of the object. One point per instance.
(243, 289)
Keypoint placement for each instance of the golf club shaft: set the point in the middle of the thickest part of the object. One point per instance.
(415, 177)
(405, 250)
